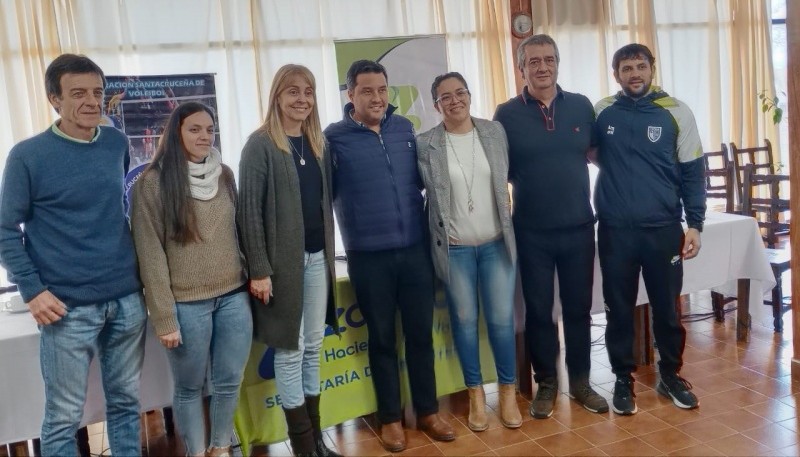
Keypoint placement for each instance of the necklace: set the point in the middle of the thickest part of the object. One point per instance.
(302, 150)
(469, 182)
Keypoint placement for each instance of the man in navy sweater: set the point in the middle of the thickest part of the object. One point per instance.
(550, 132)
(379, 208)
(651, 170)
(65, 242)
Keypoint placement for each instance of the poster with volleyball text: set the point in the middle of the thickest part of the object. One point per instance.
(141, 105)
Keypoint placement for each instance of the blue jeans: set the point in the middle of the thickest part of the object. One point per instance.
(297, 372)
(485, 270)
(216, 334)
(115, 331)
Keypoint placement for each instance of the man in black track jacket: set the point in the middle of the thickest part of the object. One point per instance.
(651, 171)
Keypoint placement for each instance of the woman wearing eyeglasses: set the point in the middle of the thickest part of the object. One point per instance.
(464, 165)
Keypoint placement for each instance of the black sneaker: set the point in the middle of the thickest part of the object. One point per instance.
(542, 405)
(679, 390)
(623, 402)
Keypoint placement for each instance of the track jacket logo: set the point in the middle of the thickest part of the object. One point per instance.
(653, 133)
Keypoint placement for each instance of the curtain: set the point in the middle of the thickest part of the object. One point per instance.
(713, 55)
(751, 70)
(29, 42)
(242, 41)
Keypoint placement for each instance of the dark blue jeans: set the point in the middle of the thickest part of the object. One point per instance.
(384, 282)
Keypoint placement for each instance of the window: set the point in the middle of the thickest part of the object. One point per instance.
(779, 52)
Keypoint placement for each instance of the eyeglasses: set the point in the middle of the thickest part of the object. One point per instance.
(446, 99)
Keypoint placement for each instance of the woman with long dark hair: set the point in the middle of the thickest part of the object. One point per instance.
(287, 233)
(184, 228)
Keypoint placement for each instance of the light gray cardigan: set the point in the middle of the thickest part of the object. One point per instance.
(432, 162)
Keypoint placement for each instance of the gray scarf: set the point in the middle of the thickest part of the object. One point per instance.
(204, 177)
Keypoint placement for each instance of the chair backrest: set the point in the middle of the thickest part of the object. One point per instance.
(760, 157)
(771, 212)
(719, 177)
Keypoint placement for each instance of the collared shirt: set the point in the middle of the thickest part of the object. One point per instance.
(61, 133)
(361, 123)
(547, 159)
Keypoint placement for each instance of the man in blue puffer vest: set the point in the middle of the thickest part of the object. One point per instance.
(651, 170)
(379, 208)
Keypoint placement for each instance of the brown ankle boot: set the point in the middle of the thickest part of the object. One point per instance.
(509, 410)
(477, 421)
(393, 438)
(435, 427)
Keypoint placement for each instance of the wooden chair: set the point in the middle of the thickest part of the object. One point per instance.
(719, 178)
(772, 214)
(760, 157)
(720, 184)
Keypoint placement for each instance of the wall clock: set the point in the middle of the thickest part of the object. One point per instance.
(521, 24)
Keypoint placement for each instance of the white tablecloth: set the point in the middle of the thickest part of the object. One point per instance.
(732, 249)
(22, 388)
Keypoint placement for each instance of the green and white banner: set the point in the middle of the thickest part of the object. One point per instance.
(345, 381)
(412, 63)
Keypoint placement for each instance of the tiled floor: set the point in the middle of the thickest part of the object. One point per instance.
(748, 407)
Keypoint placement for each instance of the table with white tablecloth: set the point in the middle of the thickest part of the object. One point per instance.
(733, 260)
(22, 388)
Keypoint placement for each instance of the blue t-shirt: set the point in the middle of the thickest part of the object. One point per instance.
(62, 219)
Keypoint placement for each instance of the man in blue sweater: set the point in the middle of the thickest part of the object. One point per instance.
(550, 131)
(379, 208)
(651, 170)
(65, 242)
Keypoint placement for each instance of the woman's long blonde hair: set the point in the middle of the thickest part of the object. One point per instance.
(273, 127)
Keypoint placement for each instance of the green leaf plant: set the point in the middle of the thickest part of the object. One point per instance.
(770, 105)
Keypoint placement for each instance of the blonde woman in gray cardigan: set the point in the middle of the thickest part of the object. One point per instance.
(464, 165)
(184, 228)
(287, 233)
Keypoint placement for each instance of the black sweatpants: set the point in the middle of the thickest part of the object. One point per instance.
(656, 252)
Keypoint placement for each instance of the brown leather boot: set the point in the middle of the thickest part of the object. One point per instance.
(392, 436)
(477, 421)
(509, 409)
(436, 427)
